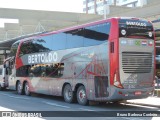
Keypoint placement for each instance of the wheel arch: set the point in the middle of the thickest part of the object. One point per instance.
(77, 86)
(17, 84)
(24, 82)
(64, 86)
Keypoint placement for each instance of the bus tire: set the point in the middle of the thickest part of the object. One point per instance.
(81, 96)
(19, 88)
(1, 88)
(68, 94)
(26, 89)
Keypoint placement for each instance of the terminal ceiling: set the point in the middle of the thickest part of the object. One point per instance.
(35, 21)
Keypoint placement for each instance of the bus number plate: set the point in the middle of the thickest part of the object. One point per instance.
(138, 93)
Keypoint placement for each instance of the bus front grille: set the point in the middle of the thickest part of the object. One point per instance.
(136, 62)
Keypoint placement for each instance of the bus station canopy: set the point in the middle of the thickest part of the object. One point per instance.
(35, 21)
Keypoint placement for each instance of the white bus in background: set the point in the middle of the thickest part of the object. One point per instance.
(3, 77)
(4, 73)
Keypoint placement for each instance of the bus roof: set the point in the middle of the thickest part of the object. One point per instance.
(76, 27)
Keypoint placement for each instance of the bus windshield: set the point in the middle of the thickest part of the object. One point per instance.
(131, 28)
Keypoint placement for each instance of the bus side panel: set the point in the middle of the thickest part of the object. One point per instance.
(89, 68)
(81, 66)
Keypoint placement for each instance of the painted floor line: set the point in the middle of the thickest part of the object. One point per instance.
(86, 109)
(18, 97)
(14, 96)
(49, 103)
(130, 118)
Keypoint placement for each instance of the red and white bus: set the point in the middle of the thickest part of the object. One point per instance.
(107, 60)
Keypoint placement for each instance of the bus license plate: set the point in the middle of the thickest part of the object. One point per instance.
(138, 93)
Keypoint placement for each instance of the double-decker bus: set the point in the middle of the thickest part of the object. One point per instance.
(107, 60)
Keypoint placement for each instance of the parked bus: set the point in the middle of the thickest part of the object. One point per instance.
(4, 74)
(107, 60)
(2, 78)
(158, 61)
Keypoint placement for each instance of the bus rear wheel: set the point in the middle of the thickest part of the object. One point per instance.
(1, 88)
(26, 89)
(81, 96)
(19, 88)
(68, 94)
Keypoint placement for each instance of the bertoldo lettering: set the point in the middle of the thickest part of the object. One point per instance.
(43, 58)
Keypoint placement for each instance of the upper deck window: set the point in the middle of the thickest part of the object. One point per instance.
(14, 49)
(82, 37)
(96, 34)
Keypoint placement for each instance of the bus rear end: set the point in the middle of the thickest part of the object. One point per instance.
(134, 77)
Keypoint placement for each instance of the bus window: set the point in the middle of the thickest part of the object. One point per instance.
(96, 34)
(23, 71)
(41, 70)
(14, 49)
(75, 38)
(27, 47)
(43, 44)
(58, 41)
(33, 46)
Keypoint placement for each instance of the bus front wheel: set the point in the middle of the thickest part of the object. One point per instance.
(1, 88)
(68, 94)
(26, 89)
(81, 96)
(19, 88)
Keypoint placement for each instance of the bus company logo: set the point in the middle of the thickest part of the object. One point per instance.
(89, 55)
(43, 58)
(136, 23)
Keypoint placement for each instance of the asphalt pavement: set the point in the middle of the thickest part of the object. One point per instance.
(152, 101)
(10, 101)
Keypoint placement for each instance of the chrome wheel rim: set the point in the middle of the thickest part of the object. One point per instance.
(68, 94)
(19, 87)
(82, 95)
(26, 89)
